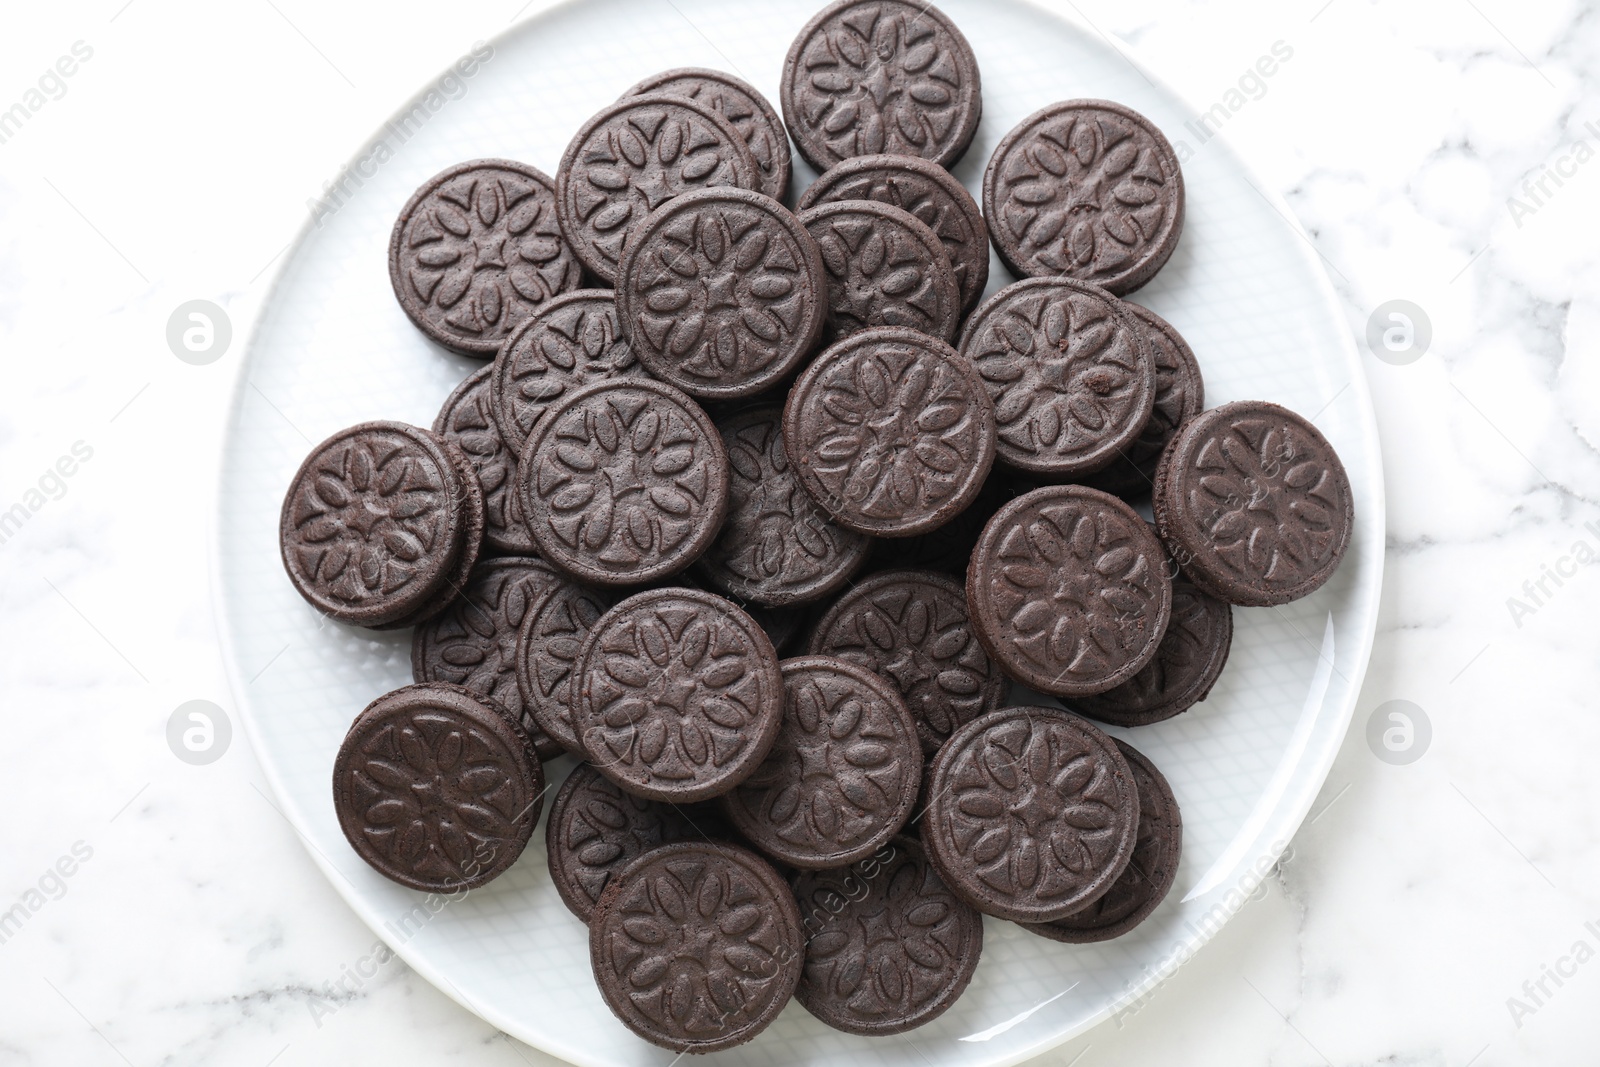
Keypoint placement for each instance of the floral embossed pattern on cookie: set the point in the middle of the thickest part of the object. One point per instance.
(1088, 189)
(467, 419)
(885, 268)
(679, 695)
(722, 293)
(871, 76)
(476, 251)
(746, 111)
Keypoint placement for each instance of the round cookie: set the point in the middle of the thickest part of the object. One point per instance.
(552, 636)
(1186, 665)
(746, 111)
(888, 946)
(866, 77)
(595, 830)
(679, 695)
(1088, 189)
(1254, 504)
(721, 293)
(912, 629)
(1152, 869)
(624, 482)
(473, 642)
(573, 341)
(1032, 814)
(374, 522)
(885, 268)
(476, 250)
(631, 158)
(1068, 590)
(1180, 396)
(842, 776)
(467, 419)
(436, 789)
(926, 191)
(1067, 367)
(777, 547)
(891, 432)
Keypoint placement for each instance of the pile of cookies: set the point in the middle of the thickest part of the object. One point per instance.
(765, 516)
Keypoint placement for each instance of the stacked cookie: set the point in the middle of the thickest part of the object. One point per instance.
(777, 515)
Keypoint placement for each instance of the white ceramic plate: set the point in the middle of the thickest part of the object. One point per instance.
(331, 348)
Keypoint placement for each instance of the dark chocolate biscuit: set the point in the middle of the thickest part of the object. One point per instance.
(721, 293)
(1066, 364)
(552, 636)
(631, 158)
(624, 482)
(473, 642)
(888, 946)
(1068, 590)
(925, 190)
(777, 546)
(679, 695)
(1150, 872)
(595, 829)
(1254, 504)
(474, 524)
(476, 250)
(1087, 189)
(885, 268)
(1180, 396)
(891, 431)
(467, 419)
(866, 77)
(1032, 815)
(573, 341)
(436, 789)
(842, 776)
(374, 522)
(697, 946)
(746, 111)
(912, 628)
(1186, 665)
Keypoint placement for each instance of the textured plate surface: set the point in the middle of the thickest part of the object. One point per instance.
(332, 348)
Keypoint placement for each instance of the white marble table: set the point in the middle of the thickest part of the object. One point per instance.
(1440, 912)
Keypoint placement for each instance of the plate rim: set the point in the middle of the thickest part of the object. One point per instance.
(1281, 825)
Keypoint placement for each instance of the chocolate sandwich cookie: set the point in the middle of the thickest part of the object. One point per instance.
(631, 158)
(842, 776)
(777, 546)
(467, 419)
(912, 629)
(746, 111)
(885, 268)
(624, 482)
(888, 946)
(697, 947)
(866, 77)
(437, 789)
(1150, 872)
(1254, 504)
(476, 250)
(1033, 814)
(1186, 665)
(679, 695)
(375, 521)
(925, 190)
(595, 830)
(1180, 395)
(473, 642)
(1068, 590)
(552, 636)
(1087, 189)
(891, 432)
(1067, 367)
(721, 293)
(573, 341)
